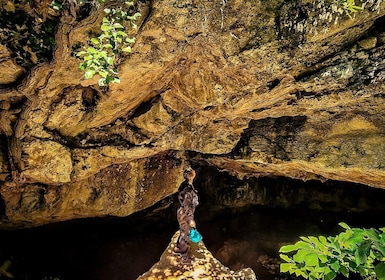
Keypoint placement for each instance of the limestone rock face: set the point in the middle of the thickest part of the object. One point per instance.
(202, 266)
(253, 88)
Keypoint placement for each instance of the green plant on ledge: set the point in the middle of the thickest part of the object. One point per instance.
(349, 7)
(99, 58)
(357, 251)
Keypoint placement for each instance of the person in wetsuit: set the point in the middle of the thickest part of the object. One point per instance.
(188, 201)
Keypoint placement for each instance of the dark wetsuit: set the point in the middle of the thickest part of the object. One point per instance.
(188, 200)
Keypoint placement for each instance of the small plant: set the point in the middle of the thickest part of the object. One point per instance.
(100, 55)
(349, 7)
(358, 251)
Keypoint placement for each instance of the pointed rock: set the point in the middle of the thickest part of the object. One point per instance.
(203, 265)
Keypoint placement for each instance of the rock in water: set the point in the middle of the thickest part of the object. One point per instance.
(203, 265)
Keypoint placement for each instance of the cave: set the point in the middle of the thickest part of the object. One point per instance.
(277, 105)
(243, 222)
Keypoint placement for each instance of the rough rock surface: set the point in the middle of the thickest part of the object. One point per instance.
(202, 266)
(9, 70)
(253, 88)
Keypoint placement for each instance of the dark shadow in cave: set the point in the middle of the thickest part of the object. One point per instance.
(2, 208)
(243, 223)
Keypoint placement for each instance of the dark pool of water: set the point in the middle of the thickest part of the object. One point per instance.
(122, 249)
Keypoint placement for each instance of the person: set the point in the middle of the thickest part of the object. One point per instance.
(188, 201)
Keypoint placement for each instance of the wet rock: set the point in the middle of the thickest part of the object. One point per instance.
(203, 265)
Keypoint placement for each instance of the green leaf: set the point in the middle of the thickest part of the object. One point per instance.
(285, 267)
(121, 33)
(110, 60)
(88, 57)
(330, 276)
(89, 74)
(127, 49)
(105, 27)
(130, 40)
(102, 82)
(91, 50)
(107, 46)
(118, 25)
(344, 225)
(300, 255)
(95, 41)
(311, 260)
(335, 266)
(103, 73)
(285, 258)
(380, 247)
(323, 240)
(288, 248)
(81, 53)
(380, 271)
(344, 271)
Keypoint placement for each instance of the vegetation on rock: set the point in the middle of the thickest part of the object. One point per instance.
(253, 88)
(101, 55)
(358, 251)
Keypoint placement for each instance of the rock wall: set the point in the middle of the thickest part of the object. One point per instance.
(253, 88)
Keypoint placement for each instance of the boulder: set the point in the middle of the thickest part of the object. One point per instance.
(203, 265)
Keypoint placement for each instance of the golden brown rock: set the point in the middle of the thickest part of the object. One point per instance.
(9, 70)
(254, 88)
(203, 265)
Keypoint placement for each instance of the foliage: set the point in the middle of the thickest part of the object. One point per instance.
(30, 38)
(348, 6)
(101, 54)
(358, 251)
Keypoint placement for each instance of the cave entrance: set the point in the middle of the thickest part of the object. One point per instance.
(243, 223)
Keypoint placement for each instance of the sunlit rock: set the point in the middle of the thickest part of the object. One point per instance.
(202, 265)
(252, 88)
